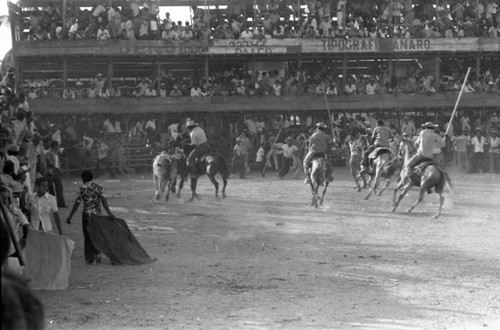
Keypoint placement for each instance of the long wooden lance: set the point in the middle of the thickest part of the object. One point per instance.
(456, 103)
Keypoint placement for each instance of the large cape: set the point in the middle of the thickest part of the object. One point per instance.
(48, 260)
(114, 238)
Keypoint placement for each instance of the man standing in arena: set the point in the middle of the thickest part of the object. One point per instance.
(200, 141)
(91, 194)
(427, 141)
(319, 143)
(495, 151)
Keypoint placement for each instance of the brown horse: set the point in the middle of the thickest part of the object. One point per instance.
(384, 166)
(431, 176)
(320, 172)
(210, 164)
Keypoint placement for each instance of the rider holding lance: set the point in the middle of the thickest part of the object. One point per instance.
(427, 141)
(200, 141)
(319, 144)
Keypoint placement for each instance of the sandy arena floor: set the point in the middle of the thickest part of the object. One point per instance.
(264, 259)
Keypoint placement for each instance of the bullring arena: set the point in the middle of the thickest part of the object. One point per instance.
(97, 95)
(264, 259)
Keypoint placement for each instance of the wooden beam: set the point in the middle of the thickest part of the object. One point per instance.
(162, 3)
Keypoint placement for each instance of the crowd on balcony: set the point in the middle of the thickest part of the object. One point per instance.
(313, 81)
(274, 19)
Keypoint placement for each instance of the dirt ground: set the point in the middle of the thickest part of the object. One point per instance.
(264, 259)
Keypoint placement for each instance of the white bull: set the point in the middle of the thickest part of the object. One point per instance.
(164, 171)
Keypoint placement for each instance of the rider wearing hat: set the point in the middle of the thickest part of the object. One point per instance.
(380, 138)
(200, 141)
(427, 141)
(319, 143)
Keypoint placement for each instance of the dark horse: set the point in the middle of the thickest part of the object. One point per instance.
(427, 177)
(210, 164)
(320, 174)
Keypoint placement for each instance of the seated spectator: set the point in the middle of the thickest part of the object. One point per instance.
(195, 91)
(104, 93)
(371, 87)
(150, 91)
(246, 34)
(115, 91)
(427, 84)
(32, 94)
(68, 94)
(176, 91)
(163, 90)
(350, 87)
(92, 92)
(103, 33)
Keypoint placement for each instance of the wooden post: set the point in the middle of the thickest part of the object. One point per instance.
(158, 75)
(344, 69)
(65, 73)
(110, 73)
(437, 72)
(65, 17)
(478, 66)
(391, 69)
(206, 72)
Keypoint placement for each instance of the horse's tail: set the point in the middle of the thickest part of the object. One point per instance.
(447, 180)
(223, 167)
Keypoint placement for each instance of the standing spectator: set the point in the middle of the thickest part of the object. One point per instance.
(91, 194)
(289, 151)
(43, 208)
(460, 143)
(240, 152)
(494, 151)
(477, 160)
(103, 158)
(54, 174)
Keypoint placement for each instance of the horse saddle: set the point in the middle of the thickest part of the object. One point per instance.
(378, 151)
(419, 169)
(316, 156)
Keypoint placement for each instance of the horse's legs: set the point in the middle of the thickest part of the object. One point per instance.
(441, 201)
(224, 184)
(181, 185)
(157, 189)
(399, 184)
(324, 192)
(194, 181)
(215, 183)
(169, 188)
(172, 189)
(375, 185)
(423, 188)
(387, 183)
(313, 194)
(405, 190)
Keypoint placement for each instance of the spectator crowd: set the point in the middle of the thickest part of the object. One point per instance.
(140, 20)
(315, 80)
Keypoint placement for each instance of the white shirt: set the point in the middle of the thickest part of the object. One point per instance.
(288, 151)
(478, 145)
(42, 211)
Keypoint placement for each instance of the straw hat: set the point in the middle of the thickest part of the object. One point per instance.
(429, 124)
(321, 125)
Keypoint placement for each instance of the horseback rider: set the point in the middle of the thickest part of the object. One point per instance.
(200, 141)
(319, 144)
(380, 138)
(427, 141)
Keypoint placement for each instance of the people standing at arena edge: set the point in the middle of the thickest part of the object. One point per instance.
(289, 152)
(199, 141)
(477, 160)
(355, 144)
(380, 138)
(494, 151)
(427, 141)
(54, 174)
(91, 194)
(43, 208)
(320, 143)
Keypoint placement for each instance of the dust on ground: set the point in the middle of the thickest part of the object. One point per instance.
(264, 259)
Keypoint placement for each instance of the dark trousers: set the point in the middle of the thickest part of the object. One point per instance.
(107, 163)
(56, 187)
(286, 163)
(478, 162)
(90, 250)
